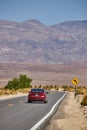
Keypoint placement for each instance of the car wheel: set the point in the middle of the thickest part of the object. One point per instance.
(45, 101)
(29, 101)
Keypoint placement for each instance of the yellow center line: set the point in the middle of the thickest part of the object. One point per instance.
(9, 105)
(20, 101)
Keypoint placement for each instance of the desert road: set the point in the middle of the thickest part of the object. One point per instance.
(17, 114)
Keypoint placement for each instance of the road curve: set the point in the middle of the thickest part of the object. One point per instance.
(17, 114)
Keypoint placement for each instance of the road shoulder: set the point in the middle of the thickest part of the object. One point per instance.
(12, 96)
(70, 115)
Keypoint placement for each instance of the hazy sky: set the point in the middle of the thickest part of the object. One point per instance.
(48, 12)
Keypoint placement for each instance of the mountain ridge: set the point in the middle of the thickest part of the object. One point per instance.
(33, 42)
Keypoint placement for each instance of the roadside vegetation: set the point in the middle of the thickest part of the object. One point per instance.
(80, 90)
(17, 85)
(22, 84)
(4, 91)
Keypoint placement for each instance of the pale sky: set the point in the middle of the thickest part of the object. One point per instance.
(48, 12)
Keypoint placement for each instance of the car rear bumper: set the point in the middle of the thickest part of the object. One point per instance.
(37, 98)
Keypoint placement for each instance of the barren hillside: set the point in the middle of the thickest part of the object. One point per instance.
(46, 74)
(32, 42)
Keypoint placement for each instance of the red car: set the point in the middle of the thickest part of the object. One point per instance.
(37, 94)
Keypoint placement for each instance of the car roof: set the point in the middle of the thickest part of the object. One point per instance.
(37, 89)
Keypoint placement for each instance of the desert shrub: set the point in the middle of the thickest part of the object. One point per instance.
(78, 92)
(22, 82)
(84, 101)
(40, 86)
(81, 90)
(56, 87)
(65, 87)
(13, 84)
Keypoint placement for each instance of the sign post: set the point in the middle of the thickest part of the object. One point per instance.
(75, 81)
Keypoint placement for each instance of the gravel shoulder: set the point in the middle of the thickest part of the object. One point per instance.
(70, 115)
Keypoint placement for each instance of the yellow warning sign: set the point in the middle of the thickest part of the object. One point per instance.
(75, 81)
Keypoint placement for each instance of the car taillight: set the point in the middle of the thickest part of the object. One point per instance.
(42, 94)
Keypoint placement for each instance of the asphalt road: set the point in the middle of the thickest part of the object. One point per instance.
(17, 114)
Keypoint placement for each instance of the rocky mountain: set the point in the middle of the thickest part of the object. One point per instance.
(32, 42)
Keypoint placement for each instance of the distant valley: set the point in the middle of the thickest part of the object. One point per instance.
(45, 74)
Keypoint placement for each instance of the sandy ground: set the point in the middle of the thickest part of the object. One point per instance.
(12, 96)
(70, 115)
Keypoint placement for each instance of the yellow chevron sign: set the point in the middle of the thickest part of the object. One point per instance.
(75, 81)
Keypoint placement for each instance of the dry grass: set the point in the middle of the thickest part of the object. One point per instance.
(11, 92)
(25, 90)
(82, 90)
(6, 91)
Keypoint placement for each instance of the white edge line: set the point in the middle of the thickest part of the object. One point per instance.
(47, 115)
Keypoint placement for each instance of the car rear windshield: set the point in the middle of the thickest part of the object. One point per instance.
(37, 90)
